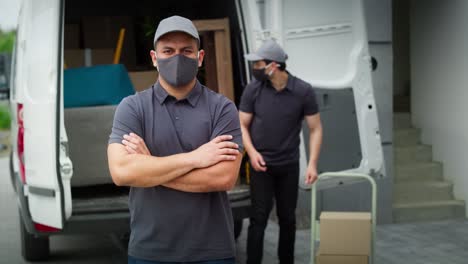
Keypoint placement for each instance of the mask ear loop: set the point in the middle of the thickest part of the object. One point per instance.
(269, 65)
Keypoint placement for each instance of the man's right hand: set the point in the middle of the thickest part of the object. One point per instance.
(219, 149)
(257, 162)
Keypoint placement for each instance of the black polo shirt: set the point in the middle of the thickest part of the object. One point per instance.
(169, 225)
(277, 117)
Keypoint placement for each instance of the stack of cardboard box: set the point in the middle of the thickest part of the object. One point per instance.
(93, 42)
(345, 238)
(142, 80)
(90, 55)
(75, 58)
(102, 32)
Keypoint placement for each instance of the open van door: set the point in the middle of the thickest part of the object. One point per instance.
(326, 42)
(253, 34)
(38, 81)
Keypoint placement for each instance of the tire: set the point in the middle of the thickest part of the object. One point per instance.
(237, 228)
(33, 248)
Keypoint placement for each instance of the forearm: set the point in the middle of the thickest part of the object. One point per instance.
(219, 177)
(247, 140)
(315, 144)
(147, 171)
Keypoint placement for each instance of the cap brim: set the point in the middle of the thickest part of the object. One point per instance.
(252, 57)
(178, 30)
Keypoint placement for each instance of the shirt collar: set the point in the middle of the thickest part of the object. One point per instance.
(195, 94)
(289, 84)
(160, 93)
(193, 97)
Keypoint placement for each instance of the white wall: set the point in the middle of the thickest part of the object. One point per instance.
(439, 74)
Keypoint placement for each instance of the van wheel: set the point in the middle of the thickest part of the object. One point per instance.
(237, 228)
(33, 248)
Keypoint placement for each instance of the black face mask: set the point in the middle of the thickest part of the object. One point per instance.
(260, 74)
(178, 70)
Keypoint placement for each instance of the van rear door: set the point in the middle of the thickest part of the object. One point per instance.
(40, 45)
(253, 35)
(326, 42)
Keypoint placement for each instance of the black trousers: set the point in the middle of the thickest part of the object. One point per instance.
(280, 183)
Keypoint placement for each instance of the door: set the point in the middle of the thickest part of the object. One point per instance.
(326, 42)
(250, 21)
(37, 84)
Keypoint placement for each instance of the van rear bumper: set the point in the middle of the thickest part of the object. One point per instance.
(118, 222)
(111, 222)
(240, 209)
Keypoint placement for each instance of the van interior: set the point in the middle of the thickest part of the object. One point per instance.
(94, 85)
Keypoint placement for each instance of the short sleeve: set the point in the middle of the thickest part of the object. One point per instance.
(310, 102)
(126, 120)
(228, 123)
(247, 99)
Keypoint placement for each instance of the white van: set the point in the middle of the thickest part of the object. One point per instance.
(59, 164)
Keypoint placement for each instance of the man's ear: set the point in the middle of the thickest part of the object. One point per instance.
(153, 58)
(201, 55)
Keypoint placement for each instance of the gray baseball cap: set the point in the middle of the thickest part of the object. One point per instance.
(270, 50)
(176, 24)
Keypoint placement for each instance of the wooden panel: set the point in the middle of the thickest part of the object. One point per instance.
(210, 72)
(223, 58)
(211, 24)
(224, 68)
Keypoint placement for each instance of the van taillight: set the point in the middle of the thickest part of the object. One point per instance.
(20, 141)
(44, 228)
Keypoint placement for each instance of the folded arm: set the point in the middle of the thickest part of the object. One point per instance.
(133, 166)
(145, 171)
(219, 177)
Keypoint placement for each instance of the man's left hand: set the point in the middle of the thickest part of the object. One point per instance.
(135, 144)
(311, 174)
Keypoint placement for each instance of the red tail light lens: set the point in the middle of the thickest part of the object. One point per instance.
(20, 141)
(45, 229)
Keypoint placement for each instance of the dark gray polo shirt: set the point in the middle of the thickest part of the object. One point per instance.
(166, 224)
(277, 117)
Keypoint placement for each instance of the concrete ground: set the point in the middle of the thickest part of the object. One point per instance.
(443, 242)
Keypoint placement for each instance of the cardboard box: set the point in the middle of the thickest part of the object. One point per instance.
(345, 233)
(143, 80)
(75, 58)
(102, 56)
(72, 36)
(102, 32)
(341, 259)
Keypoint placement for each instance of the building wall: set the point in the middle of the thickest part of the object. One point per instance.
(439, 74)
(401, 47)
